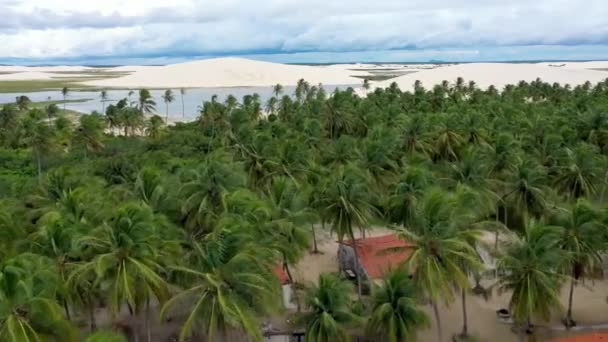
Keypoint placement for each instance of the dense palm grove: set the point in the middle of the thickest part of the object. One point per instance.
(119, 213)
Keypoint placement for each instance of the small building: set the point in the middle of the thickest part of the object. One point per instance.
(375, 256)
(286, 286)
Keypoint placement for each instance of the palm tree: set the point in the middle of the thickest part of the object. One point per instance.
(204, 191)
(584, 239)
(182, 92)
(395, 316)
(64, 92)
(28, 311)
(525, 188)
(347, 204)
(90, 132)
(154, 126)
(146, 103)
(578, 172)
(443, 252)
(530, 271)
(23, 102)
(329, 313)
(229, 282)
(366, 85)
(277, 90)
(104, 98)
(168, 97)
(39, 137)
(128, 255)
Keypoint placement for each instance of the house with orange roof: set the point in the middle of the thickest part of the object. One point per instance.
(376, 256)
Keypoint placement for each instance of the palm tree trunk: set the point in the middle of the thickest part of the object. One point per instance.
(465, 326)
(66, 309)
(183, 108)
(357, 272)
(314, 239)
(293, 285)
(167, 114)
(147, 318)
(39, 162)
(569, 321)
(438, 320)
(91, 308)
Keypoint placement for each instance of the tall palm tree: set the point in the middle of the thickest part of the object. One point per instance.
(104, 99)
(90, 132)
(530, 270)
(128, 255)
(64, 92)
(443, 252)
(182, 92)
(348, 205)
(578, 172)
(28, 310)
(204, 191)
(277, 90)
(329, 313)
(228, 283)
(39, 137)
(154, 126)
(584, 239)
(168, 97)
(146, 103)
(395, 316)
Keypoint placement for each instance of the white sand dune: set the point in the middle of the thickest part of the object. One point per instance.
(497, 74)
(227, 72)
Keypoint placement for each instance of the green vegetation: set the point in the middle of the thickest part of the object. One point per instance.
(121, 214)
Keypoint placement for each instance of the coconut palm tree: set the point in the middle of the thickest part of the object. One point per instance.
(395, 316)
(329, 313)
(204, 191)
(347, 205)
(104, 99)
(28, 310)
(442, 252)
(154, 126)
(65, 92)
(228, 283)
(146, 103)
(530, 270)
(39, 137)
(128, 256)
(584, 239)
(90, 132)
(182, 92)
(578, 172)
(277, 90)
(168, 97)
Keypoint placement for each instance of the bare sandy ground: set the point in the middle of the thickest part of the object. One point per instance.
(590, 307)
(498, 74)
(227, 72)
(235, 72)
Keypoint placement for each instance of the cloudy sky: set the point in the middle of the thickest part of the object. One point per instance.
(161, 31)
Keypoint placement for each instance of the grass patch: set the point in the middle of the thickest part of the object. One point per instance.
(17, 86)
(376, 77)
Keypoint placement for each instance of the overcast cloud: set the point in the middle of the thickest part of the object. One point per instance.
(152, 29)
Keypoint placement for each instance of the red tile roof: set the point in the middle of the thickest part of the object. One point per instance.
(375, 257)
(279, 271)
(595, 337)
